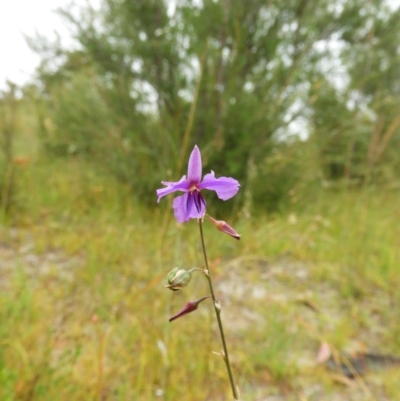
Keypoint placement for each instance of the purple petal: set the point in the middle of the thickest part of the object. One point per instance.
(181, 185)
(189, 206)
(199, 204)
(195, 166)
(225, 187)
(180, 208)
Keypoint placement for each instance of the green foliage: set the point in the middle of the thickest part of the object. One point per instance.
(147, 80)
(9, 106)
(83, 123)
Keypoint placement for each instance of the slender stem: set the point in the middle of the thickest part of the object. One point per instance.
(217, 308)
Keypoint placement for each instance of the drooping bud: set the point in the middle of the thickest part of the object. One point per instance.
(224, 227)
(178, 278)
(189, 307)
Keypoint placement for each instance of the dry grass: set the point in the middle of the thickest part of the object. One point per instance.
(85, 314)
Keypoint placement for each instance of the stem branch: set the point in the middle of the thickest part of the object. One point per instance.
(217, 308)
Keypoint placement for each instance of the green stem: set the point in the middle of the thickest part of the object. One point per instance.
(217, 308)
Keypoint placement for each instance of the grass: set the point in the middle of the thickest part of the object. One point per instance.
(85, 314)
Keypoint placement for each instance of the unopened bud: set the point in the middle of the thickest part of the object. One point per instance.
(189, 307)
(178, 278)
(224, 227)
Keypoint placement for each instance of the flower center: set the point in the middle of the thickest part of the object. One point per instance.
(193, 188)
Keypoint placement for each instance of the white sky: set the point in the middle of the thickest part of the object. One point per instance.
(19, 17)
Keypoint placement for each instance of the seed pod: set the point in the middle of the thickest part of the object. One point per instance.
(178, 278)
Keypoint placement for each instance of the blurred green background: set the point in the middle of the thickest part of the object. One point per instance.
(299, 101)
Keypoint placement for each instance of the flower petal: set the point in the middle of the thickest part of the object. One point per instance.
(181, 185)
(199, 205)
(195, 166)
(225, 187)
(180, 208)
(189, 206)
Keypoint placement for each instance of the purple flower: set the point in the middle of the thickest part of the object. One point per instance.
(191, 205)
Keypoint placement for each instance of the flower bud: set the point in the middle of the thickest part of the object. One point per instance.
(178, 278)
(224, 227)
(189, 307)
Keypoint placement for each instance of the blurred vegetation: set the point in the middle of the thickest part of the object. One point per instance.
(8, 127)
(299, 101)
(284, 96)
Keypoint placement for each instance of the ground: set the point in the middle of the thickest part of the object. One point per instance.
(277, 312)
